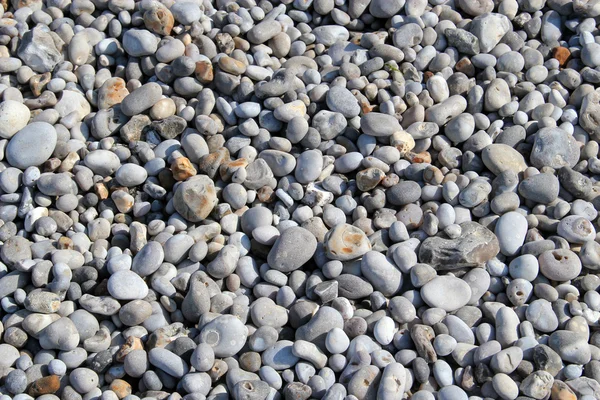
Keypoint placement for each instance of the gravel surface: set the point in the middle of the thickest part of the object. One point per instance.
(299, 199)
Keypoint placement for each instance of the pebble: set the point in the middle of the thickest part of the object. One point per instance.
(40, 136)
(446, 292)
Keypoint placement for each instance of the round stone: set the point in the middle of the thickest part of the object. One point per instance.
(31, 146)
(127, 285)
(294, 247)
(195, 198)
(446, 292)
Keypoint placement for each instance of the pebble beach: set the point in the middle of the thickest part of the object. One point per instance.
(299, 199)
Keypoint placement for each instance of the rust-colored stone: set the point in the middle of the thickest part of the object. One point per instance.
(37, 83)
(182, 169)
(121, 388)
(562, 54)
(231, 65)
(204, 71)
(159, 20)
(423, 157)
(101, 191)
(46, 385)
(560, 391)
(265, 194)
(65, 243)
(51, 165)
(112, 92)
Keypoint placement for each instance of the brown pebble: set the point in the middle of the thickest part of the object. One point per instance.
(265, 194)
(37, 83)
(46, 385)
(182, 169)
(159, 20)
(562, 54)
(204, 71)
(112, 92)
(101, 191)
(65, 243)
(121, 388)
(560, 391)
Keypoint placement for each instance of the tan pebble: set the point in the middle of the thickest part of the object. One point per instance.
(101, 191)
(46, 385)
(37, 83)
(369, 178)
(204, 71)
(121, 388)
(346, 242)
(231, 65)
(159, 20)
(65, 243)
(162, 109)
(112, 92)
(132, 343)
(560, 391)
(182, 169)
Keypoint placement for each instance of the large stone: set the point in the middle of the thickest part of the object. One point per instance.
(346, 242)
(473, 247)
(294, 247)
(446, 292)
(195, 198)
(32, 145)
(38, 50)
(554, 148)
(501, 157)
(490, 28)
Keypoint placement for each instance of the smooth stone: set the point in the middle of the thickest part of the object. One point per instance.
(60, 335)
(341, 100)
(381, 273)
(32, 145)
(511, 229)
(554, 148)
(141, 99)
(167, 361)
(14, 116)
(501, 157)
(127, 285)
(226, 334)
(379, 125)
(294, 247)
(446, 292)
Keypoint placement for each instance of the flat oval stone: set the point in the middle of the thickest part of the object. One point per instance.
(32, 145)
(294, 247)
(346, 242)
(141, 99)
(511, 229)
(102, 162)
(446, 292)
(309, 166)
(339, 99)
(381, 273)
(501, 157)
(379, 125)
(226, 334)
(127, 285)
(168, 361)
